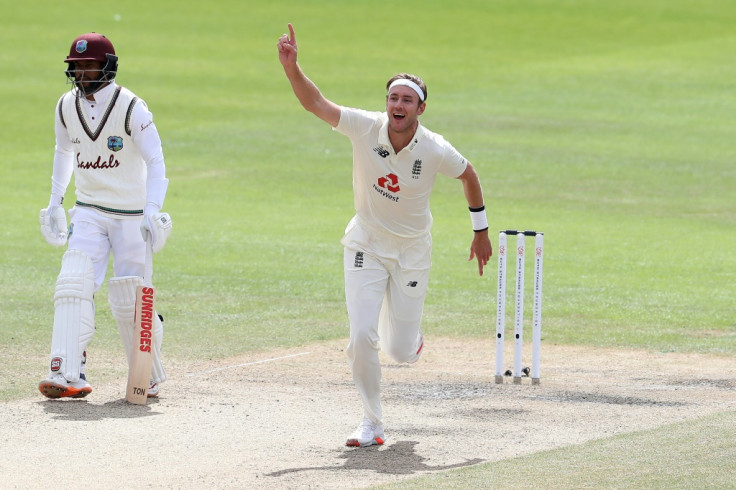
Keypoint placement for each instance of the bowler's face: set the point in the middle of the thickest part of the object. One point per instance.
(403, 108)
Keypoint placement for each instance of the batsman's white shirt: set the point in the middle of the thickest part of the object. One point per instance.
(392, 190)
(113, 148)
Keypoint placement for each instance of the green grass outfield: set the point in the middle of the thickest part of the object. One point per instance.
(607, 125)
(672, 456)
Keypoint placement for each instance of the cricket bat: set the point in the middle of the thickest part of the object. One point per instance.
(139, 374)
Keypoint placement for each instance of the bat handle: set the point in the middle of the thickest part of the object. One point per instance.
(148, 270)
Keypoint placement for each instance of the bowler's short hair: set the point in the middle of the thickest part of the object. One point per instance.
(413, 78)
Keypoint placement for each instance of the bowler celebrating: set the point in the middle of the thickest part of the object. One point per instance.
(387, 244)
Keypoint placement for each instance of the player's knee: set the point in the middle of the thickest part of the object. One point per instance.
(401, 354)
(362, 343)
(121, 296)
(409, 352)
(364, 337)
(76, 278)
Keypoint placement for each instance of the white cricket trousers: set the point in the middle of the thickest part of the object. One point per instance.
(385, 286)
(97, 235)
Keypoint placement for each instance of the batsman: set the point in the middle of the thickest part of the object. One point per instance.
(106, 138)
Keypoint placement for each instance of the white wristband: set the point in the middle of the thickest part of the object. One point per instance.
(56, 200)
(478, 218)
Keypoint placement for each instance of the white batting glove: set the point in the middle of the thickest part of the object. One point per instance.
(158, 227)
(53, 225)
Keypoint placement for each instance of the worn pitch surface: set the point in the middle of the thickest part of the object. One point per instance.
(279, 419)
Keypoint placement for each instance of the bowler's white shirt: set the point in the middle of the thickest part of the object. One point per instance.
(392, 190)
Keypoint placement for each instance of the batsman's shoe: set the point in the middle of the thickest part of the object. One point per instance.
(367, 434)
(153, 389)
(56, 386)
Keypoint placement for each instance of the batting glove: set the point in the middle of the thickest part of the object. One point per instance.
(157, 226)
(53, 225)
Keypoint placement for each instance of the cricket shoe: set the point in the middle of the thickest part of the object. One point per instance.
(367, 434)
(420, 347)
(56, 386)
(153, 389)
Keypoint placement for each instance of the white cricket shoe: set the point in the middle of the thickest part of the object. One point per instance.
(56, 386)
(420, 347)
(367, 434)
(153, 389)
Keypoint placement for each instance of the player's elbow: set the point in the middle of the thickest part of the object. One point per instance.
(325, 110)
(469, 174)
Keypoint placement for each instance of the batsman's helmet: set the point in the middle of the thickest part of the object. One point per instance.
(92, 47)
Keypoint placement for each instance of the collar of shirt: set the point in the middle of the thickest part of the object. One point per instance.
(101, 96)
(383, 134)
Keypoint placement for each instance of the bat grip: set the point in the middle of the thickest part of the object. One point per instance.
(148, 270)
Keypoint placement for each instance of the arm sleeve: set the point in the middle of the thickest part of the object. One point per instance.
(453, 163)
(63, 160)
(355, 122)
(147, 140)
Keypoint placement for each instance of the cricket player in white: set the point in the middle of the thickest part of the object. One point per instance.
(387, 244)
(105, 136)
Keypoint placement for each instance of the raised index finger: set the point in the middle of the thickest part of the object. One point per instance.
(292, 36)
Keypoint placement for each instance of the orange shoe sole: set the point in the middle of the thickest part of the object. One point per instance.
(54, 390)
(355, 443)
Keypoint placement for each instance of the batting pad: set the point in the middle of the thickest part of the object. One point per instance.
(121, 296)
(74, 314)
(157, 368)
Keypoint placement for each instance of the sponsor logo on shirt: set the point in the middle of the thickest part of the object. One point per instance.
(358, 259)
(391, 184)
(381, 151)
(111, 162)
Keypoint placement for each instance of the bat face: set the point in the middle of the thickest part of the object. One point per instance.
(145, 297)
(139, 375)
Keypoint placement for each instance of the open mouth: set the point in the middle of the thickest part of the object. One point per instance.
(399, 117)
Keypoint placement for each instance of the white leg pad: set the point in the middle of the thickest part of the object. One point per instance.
(74, 314)
(121, 295)
(157, 368)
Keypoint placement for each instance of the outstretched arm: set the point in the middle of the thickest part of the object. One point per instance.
(480, 247)
(304, 89)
